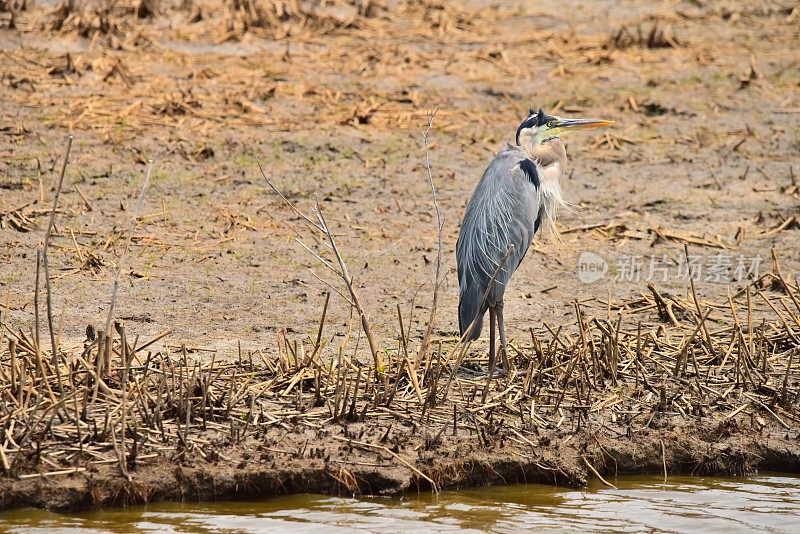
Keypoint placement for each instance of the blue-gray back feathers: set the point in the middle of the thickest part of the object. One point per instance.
(503, 211)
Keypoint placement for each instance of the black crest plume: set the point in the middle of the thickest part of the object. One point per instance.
(535, 118)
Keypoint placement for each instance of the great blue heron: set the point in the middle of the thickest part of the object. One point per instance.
(518, 194)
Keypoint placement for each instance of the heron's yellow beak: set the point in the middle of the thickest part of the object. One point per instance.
(565, 126)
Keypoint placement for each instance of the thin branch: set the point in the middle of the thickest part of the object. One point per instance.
(344, 273)
(285, 200)
(48, 284)
(322, 226)
(322, 260)
(426, 340)
(598, 475)
(334, 289)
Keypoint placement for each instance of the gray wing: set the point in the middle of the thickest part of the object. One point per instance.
(503, 211)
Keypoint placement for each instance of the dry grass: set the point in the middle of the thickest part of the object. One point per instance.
(112, 23)
(114, 28)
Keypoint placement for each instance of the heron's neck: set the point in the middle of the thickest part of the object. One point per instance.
(551, 159)
(546, 153)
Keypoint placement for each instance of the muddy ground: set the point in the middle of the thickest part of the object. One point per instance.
(704, 151)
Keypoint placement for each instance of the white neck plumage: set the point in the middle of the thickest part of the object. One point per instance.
(550, 158)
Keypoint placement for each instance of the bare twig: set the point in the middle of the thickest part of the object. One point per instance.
(48, 285)
(426, 340)
(285, 200)
(348, 280)
(598, 475)
(321, 225)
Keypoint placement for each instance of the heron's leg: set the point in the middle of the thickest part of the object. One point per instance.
(502, 327)
(491, 339)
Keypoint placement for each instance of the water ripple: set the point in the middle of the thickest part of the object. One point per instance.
(641, 504)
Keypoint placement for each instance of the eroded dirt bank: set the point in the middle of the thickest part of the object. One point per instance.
(314, 462)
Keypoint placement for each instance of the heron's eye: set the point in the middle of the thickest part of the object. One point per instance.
(551, 124)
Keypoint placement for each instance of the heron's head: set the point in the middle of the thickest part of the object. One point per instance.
(540, 127)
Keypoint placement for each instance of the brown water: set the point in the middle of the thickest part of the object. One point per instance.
(682, 504)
